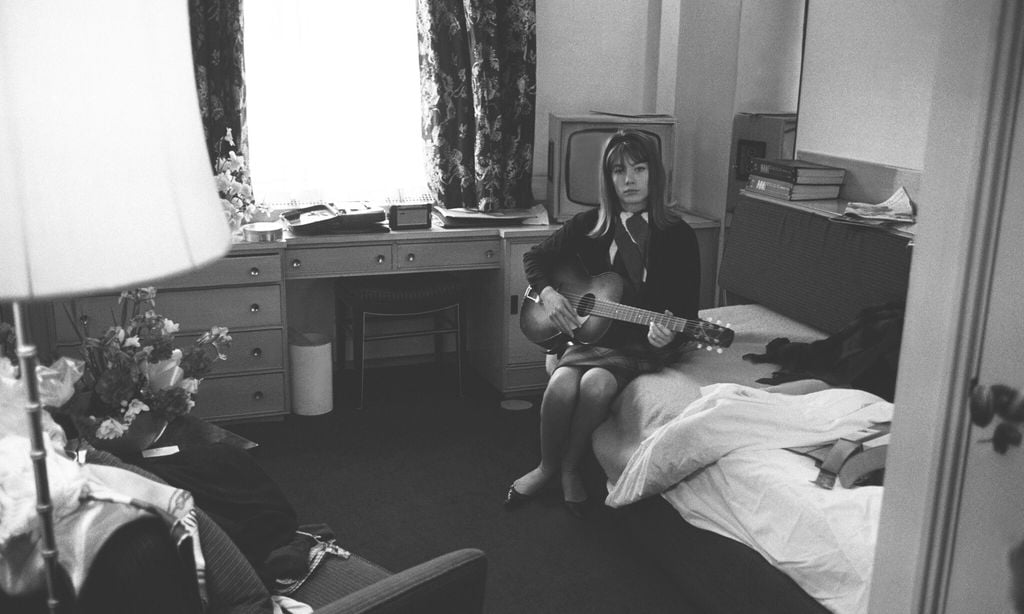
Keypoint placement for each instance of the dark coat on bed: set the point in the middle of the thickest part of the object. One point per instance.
(863, 355)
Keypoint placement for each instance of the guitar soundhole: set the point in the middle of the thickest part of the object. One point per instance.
(586, 305)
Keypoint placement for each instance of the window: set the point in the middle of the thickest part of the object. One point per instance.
(333, 100)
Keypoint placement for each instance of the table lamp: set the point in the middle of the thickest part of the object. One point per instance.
(105, 181)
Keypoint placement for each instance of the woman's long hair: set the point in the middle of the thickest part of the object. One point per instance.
(632, 146)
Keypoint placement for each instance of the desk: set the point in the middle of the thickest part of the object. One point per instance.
(247, 292)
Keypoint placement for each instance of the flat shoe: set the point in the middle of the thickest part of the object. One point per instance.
(514, 498)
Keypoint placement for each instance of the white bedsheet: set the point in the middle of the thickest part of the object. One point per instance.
(725, 453)
(651, 400)
(747, 489)
(823, 539)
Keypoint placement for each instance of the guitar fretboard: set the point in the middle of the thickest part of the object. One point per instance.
(635, 315)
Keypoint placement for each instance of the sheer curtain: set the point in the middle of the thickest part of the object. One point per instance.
(333, 100)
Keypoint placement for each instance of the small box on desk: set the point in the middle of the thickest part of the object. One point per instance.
(403, 216)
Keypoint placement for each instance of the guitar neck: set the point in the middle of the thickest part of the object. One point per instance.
(635, 315)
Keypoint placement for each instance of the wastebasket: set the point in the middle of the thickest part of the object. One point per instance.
(311, 373)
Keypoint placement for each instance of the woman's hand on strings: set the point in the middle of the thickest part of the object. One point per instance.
(560, 311)
(659, 335)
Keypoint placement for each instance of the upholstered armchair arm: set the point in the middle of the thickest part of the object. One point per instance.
(452, 583)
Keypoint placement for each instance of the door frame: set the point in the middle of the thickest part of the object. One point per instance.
(973, 110)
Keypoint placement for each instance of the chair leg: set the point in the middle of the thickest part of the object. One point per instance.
(340, 325)
(439, 322)
(358, 343)
(460, 343)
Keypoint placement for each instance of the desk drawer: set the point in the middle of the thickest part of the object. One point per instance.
(333, 261)
(240, 397)
(253, 350)
(194, 311)
(453, 254)
(256, 350)
(230, 271)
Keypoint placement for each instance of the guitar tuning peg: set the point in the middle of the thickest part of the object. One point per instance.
(728, 325)
(700, 345)
(708, 348)
(719, 350)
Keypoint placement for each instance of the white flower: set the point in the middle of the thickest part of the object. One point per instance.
(135, 408)
(110, 429)
(131, 342)
(170, 327)
(189, 385)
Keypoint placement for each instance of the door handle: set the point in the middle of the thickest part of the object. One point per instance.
(1002, 401)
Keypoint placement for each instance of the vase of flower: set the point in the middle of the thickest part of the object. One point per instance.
(234, 186)
(135, 382)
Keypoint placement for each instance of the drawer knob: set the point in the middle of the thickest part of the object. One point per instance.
(380, 258)
(411, 257)
(257, 353)
(254, 272)
(258, 395)
(489, 253)
(296, 264)
(254, 308)
(84, 319)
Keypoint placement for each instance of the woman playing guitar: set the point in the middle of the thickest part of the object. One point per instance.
(636, 234)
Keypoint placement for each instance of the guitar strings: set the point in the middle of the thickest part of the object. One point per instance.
(619, 311)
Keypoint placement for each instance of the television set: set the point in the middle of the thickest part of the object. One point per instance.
(575, 145)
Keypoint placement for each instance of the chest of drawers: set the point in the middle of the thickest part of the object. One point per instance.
(244, 292)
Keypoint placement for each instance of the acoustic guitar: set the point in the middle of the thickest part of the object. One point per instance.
(596, 301)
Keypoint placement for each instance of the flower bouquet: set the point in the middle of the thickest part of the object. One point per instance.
(234, 185)
(133, 373)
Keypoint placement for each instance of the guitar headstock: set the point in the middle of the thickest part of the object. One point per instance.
(713, 336)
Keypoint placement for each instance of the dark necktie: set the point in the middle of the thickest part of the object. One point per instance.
(640, 231)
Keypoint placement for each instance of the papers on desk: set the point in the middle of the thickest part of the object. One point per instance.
(466, 218)
(896, 208)
(897, 211)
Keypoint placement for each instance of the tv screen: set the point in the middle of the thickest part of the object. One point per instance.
(583, 163)
(574, 156)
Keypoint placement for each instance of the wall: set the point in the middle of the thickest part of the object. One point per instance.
(700, 61)
(869, 67)
(592, 55)
(733, 56)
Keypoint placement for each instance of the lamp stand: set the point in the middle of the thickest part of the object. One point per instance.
(28, 360)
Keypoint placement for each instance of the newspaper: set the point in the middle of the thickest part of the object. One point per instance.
(897, 208)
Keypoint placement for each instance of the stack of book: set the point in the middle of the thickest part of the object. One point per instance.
(794, 179)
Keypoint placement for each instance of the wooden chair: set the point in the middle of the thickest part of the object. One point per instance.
(370, 300)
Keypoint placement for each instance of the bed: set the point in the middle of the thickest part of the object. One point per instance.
(695, 455)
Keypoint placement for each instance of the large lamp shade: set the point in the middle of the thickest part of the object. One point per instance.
(105, 182)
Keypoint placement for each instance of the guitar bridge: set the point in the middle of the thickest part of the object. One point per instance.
(530, 294)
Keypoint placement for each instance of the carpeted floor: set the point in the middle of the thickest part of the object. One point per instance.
(418, 473)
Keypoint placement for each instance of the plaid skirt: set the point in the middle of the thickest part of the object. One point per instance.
(624, 363)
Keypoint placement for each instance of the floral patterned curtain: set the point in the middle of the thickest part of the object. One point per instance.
(220, 71)
(478, 84)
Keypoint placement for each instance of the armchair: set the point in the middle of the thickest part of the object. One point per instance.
(452, 583)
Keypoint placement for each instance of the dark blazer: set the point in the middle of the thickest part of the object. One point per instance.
(673, 269)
